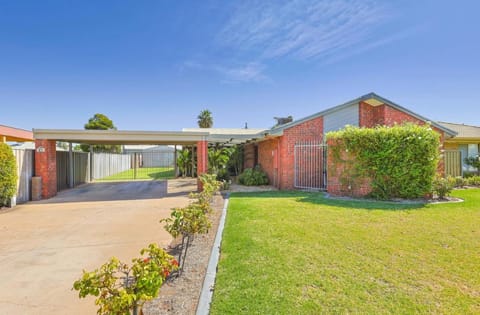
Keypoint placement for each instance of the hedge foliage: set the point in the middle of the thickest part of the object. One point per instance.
(253, 177)
(400, 161)
(8, 174)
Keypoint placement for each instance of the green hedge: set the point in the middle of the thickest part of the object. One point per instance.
(253, 177)
(8, 174)
(400, 161)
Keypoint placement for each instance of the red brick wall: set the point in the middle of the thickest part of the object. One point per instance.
(46, 166)
(249, 155)
(268, 159)
(307, 131)
(370, 116)
(336, 170)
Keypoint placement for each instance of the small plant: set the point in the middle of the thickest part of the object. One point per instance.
(8, 174)
(192, 219)
(473, 161)
(442, 186)
(120, 288)
(460, 182)
(473, 181)
(253, 177)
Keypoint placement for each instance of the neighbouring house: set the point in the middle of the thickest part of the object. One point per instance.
(294, 156)
(465, 144)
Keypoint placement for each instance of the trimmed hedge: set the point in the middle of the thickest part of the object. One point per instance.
(400, 161)
(8, 174)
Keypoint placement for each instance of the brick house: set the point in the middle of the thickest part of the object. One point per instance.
(280, 151)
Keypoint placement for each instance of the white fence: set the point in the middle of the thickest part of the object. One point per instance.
(25, 171)
(108, 164)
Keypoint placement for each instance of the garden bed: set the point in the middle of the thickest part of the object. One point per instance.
(180, 295)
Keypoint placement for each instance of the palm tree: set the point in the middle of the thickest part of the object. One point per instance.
(184, 162)
(205, 119)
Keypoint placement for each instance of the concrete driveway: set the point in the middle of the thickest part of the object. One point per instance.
(45, 245)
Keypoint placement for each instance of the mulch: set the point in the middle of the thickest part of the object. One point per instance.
(180, 295)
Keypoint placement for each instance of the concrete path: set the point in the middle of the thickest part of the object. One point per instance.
(45, 245)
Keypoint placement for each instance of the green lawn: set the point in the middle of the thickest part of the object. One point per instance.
(142, 173)
(299, 253)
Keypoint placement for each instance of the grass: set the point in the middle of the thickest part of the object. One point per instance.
(142, 174)
(299, 253)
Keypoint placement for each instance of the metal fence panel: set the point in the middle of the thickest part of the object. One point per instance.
(309, 165)
(25, 170)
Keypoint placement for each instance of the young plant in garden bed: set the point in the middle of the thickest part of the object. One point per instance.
(191, 220)
(120, 288)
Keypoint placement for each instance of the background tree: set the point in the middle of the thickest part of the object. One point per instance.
(100, 122)
(205, 119)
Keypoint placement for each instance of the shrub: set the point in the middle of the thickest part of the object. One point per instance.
(187, 221)
(460, 182)
(253, 177)
(442, 186)
(120, 288)
(473, 181)
(8, 174)
(399, 161)
(473, 161)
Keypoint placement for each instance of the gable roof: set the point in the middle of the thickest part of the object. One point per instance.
(371, 97)
(463, 131)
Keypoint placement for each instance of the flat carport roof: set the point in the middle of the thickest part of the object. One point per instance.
(121, 136)
(184, 137)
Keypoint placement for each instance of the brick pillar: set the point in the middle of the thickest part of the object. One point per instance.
(202, 160)
(46, 166)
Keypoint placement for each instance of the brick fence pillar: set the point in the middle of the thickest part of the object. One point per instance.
(202, 161)
(46, 166)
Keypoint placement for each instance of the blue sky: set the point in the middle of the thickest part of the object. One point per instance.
(153, 65)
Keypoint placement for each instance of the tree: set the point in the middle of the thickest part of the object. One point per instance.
(100, 122)
(205, 119)
(218, 159)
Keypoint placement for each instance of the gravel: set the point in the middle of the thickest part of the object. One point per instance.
(180, 295)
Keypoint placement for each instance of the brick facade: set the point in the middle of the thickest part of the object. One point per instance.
(310, 130)
(268, 159)
(46, 166)
(249, 158)
(277, 156)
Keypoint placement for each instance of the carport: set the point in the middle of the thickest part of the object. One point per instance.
(45, 147)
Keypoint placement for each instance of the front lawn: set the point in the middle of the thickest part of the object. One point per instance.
(299, 253)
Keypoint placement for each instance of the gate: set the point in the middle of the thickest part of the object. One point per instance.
(310, 170)
(134, 164)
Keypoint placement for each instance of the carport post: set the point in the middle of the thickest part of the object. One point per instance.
(175, 166)
(70, 166)
(202, 160)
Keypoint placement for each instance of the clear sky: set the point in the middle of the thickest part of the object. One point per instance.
(153, 65)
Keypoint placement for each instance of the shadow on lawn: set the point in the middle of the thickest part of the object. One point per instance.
(320, 198)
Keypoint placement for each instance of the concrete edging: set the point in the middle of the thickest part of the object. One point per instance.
(206, 295)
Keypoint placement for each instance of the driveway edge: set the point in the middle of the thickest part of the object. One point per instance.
(206, 294)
